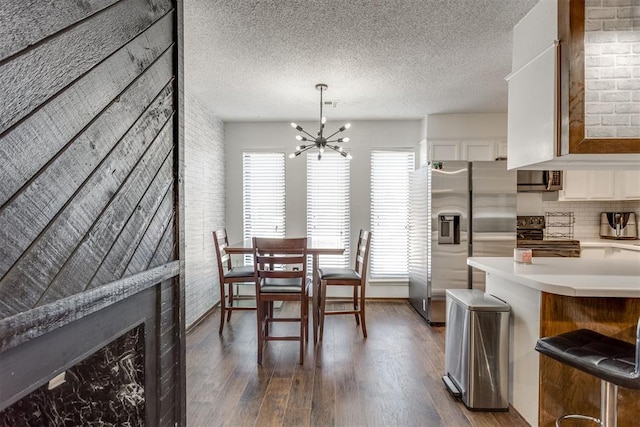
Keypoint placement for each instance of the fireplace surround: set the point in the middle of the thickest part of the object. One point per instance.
(39, 345)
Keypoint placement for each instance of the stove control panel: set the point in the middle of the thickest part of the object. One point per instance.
(530, 222)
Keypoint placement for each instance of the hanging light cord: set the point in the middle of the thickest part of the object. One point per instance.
(319, 141)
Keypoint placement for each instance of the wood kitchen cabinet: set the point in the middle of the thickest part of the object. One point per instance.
(600, 185)
(560, 115)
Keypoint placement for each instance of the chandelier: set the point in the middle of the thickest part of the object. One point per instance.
(320, 141)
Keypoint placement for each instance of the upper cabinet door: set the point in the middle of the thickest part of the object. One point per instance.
(531, 132)
(575, 185)
(628, 184)
(601, 185)
(478, 150)
(444, 150)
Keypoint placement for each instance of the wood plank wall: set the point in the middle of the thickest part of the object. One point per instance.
(89, 157)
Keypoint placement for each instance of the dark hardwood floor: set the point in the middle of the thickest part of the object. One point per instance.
(391, 378)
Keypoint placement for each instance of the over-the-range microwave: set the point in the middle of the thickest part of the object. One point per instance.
(529, 180)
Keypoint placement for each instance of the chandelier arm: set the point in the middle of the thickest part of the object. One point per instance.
(307, 148)
(335, 133)
(311, 136)
(341, 152)
(334, 148)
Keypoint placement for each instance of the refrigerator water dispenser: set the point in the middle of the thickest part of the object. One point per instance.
(449, 230)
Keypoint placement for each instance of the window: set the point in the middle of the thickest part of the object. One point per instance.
(390, 172)
(328, 202)
(263, 192)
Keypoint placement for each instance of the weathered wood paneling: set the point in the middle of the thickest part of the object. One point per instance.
(26, 326)
(25, 149)
(115, 263)
(22, 286)
(26, 22)
(90, 151)
(83, 166)
(31, 78)
(169, 359)
(80, 268)
(166, 247)
(153, 236)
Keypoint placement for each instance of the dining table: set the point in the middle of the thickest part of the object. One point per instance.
(316, 246)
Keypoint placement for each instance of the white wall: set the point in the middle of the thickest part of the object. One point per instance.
(466, 126)
(365, 136)
(204, 206)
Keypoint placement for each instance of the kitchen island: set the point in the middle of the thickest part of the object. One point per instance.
(555, 295)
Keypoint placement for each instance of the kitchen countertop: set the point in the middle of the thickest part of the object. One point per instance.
(633, 245)
(575, 277)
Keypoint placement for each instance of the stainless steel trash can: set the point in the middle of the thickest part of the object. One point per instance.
(477, 349)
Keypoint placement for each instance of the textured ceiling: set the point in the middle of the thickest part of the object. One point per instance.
(404, 59)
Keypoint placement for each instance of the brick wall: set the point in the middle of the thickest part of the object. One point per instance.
(612, 69)
(204, 205)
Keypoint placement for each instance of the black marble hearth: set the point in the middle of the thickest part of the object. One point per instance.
(105, 389)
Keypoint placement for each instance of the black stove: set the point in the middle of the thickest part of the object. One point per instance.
(530, 227)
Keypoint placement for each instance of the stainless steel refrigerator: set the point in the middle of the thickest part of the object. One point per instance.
(457, 209)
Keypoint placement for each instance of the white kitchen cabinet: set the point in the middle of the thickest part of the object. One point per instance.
(532, 111)
(478, 150)
(627, 185)
(600, 185)
(444, 150)
(532, 88)
(575, 186)
(470, 150)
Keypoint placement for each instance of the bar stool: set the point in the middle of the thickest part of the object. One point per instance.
(615, 362)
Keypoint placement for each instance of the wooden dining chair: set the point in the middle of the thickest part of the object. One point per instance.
(280, 274)
(230, 276)
(356, 278)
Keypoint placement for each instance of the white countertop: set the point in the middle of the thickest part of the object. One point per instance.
(632, 245)
(579, 277)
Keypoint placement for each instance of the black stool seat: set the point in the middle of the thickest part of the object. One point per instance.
(603, 357)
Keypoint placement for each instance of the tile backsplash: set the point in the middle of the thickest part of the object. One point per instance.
(586, 214)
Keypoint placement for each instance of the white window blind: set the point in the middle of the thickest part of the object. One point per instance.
(390, 172)
(328, 202)
(263, 192)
